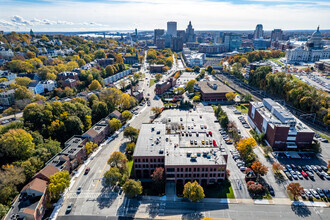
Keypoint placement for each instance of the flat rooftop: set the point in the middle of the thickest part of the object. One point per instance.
(213, 87)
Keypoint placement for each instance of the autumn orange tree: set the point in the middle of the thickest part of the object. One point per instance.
(277, 167)
(295, 189)
(259, 169)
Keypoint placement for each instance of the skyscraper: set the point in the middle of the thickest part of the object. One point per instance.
(190, 33)
(259, 32)
(171, 28)
(232, 41)
(157, 34)
(181, 33)
(276, 35)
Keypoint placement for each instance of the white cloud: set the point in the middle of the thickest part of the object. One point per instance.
(150, 14)
(18, 20)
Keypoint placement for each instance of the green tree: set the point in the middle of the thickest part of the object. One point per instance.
(112, 176)
(158, 76)
(95, 85)
(92, 98)
(131, 133)
(114, 124)
(132, 188)
(109, 70)
(3, 210)
(100, 54)
(58, 183)
(90, 146)
(16, 144)
(99, 110)
(193, 191)
(23, 81)
(81, 62)
(190, 85)
(127, 115)
(130, 147)
(22, 93)
(116, 159)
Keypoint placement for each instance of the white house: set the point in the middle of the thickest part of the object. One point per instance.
(49, 85)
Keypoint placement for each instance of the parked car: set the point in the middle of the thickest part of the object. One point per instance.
(326, 192)
(271, 190)
(87, 170)
(294, 175)
(299, 175)
(304, 174)
(79, 190)
(308, 194)
(320, 192)
(309, 168)
(242, 169)
(310, 174)
(319, 168)
(314, 193)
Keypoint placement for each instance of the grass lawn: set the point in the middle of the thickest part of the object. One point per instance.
(130, 166)
(222, 190)
(152, 81)
(242, 108)
(276, 61)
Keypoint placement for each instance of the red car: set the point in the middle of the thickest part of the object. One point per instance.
(214, 143)
(210, 133)
(87, 170)
(304, 174)
(205, 126)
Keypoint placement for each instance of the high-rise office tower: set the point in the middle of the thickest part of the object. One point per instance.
(259, 32)
(276, 35)
(190, 33)
(172, 28)
(157, 34)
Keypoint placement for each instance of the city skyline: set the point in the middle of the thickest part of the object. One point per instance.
(71, 15)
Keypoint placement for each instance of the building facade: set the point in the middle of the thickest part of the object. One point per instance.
(283, 131)
(232, 41)
(181, 163)
(276, 35)
(158, 33)
(190, 34)
(259, 32)
(172, 28)
(312, 51)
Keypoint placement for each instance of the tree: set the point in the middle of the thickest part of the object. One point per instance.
(209, 69)
(295, 189)
(116, 159)
(230, 96)
(127, 115)
(23, 81)
(95, 85)
(165, 69)
(22, 93)
(114, 124)
(190, 85)
(245, 149)
(100, 54)
(158, 176)
(112, 176)
(132, 188)
(259, 169)
(3, 210)
(81, 62)
(99, 110)
(90, 146)
(16, 144)
(196, 98)
(130, 147)
(119, 59)
(158, 76)
(277, 167)
(109, 70)
(156, 110)
(58, 182)
(255, 188)
(131, 133)
(193, 191)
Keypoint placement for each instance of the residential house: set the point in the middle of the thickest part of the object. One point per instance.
(36, 87)
(46, 172)
(115, 114)
(75, 150)
(7, 98)
(98, 132)
(72, 83)
(49, 85)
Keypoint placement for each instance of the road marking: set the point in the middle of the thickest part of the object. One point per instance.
(100, 176)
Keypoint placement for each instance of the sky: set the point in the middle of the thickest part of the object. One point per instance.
(103, 15)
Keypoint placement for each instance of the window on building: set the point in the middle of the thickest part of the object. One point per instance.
(181, 169)
(198, 169)
(170, 170)
(194, 169)
(202, 169)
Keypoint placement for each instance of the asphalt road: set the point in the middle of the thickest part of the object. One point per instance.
(94, 196)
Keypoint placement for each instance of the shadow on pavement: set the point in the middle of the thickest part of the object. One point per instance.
(301, 209)
(106, 198)
(195, 215)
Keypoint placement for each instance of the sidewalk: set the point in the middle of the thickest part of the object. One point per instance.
(274, 201)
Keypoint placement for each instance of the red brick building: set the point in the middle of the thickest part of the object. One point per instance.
(155, 148)
(283, 131)
(163, 87)
(156, 68)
